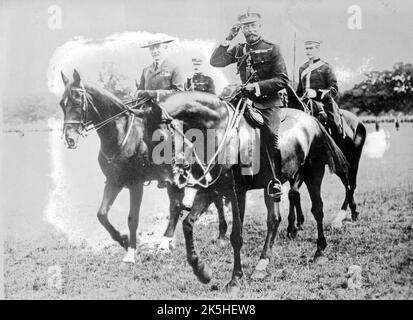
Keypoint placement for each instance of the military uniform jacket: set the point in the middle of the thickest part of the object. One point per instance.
(321, 78)
(263, 57)
(167, 78)
(203, 83)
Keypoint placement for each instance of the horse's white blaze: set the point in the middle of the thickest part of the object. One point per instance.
(189, 197)
(129, 256)
(338, 220)
(262, 264)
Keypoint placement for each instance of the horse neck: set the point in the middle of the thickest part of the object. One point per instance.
(107, 107)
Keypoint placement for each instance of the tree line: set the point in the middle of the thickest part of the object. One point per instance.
(382, 92)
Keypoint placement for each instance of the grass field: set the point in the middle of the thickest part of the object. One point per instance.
(51, 232)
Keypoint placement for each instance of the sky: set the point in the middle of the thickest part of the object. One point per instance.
(32, 53)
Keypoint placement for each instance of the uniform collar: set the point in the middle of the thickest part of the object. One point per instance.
(255, 42)
(315, 60)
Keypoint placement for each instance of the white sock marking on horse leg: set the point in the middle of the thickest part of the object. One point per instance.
(129, 256)
(189, 196)
(165, 243)
(338, 220)
(262, 264)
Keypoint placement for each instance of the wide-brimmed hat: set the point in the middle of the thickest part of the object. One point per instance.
(154, 42)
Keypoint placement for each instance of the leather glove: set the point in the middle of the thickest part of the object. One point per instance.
(233, 32)
(311, 93)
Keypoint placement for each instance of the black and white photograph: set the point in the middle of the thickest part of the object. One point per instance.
(238, 151)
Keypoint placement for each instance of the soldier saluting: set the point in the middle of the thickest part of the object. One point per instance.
(199, 81)
(261, 64)
(318, 81)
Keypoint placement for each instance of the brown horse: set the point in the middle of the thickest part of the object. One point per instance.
(123, 155)
(306, 148)
(352, 147)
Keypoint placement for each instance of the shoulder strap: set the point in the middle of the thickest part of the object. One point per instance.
(311, 68)
(307, 71)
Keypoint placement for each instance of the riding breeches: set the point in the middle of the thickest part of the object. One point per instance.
(269, 131)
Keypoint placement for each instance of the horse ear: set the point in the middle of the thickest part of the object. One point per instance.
(64, 78)
(136, 84)
(76, 78)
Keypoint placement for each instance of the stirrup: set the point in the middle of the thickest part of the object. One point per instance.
(274, 189)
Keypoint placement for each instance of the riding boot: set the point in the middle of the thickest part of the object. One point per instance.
(274, 187)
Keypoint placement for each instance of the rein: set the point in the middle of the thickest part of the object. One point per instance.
(231, 124)
(85, 126)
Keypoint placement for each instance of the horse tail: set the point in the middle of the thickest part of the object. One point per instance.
(331, 153)
(360, 136)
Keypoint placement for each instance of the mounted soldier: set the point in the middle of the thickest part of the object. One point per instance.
(160, 79)
(317, 81)
(199, 81)
(263, 72)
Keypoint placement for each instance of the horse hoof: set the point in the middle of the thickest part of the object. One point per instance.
(124, 241)
(125, 266)
(165, 245)
(260, 270)
(221, 243)
(355, 216)
(204, 274)
(258, 275)
(130, 256)
(292, 234)
(319, 258)
(337, 222)
(232, 289)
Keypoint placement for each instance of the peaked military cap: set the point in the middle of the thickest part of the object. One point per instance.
(312, 42)
(249, 17)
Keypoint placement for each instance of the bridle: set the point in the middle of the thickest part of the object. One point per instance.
(87, 102)
(85, 125)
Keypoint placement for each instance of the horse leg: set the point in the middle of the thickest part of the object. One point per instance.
(297, 202)
(201, 202)
(236, 240)
(341, 215)
(135, 199)
(358, 149)
(353, 185)
(176, 196)
(273, 221)
(110, 193)
(299, 210)
(223, 227)
(291, 229)
(313, 182)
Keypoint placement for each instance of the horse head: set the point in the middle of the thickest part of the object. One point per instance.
(74, 106)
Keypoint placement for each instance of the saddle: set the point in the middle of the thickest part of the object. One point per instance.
(252, 113)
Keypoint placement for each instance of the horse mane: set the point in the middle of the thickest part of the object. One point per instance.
(107, 99)
(194, 107)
